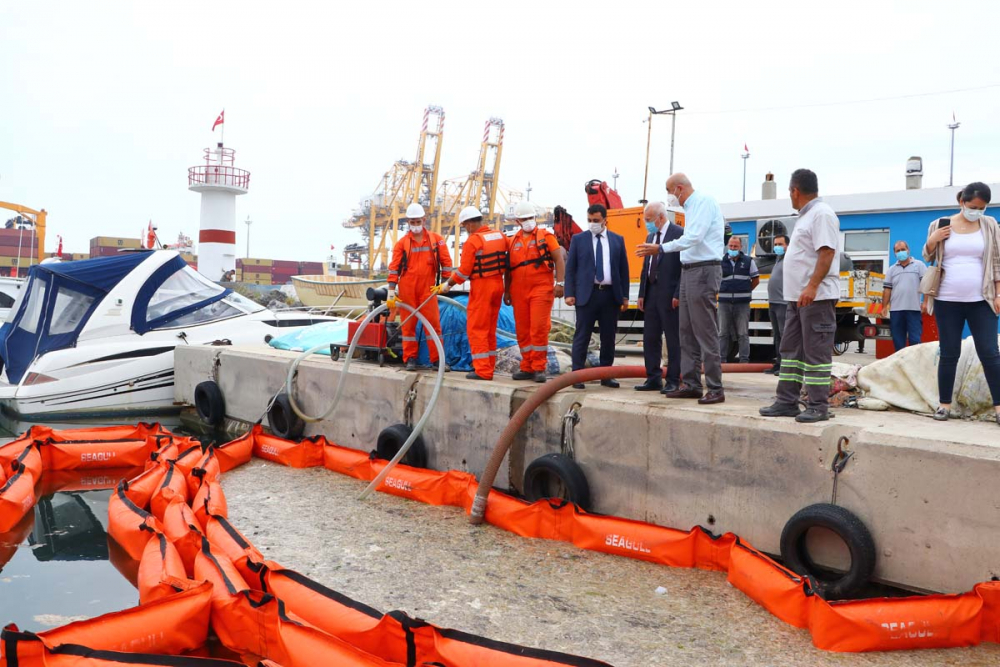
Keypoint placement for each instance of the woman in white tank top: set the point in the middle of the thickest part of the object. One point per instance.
(969, 293)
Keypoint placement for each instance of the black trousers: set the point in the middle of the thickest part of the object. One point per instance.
(661, 320)
(602, 309)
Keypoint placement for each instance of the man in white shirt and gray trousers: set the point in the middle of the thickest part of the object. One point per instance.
(811, 288)
(701, 273)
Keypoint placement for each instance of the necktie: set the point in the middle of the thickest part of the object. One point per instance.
(600, 260)
(655, 262)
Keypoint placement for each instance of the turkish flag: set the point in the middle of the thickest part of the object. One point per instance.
(220, 120)
(745, 149)
(59, 249)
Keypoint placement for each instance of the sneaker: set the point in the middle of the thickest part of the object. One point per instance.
(811, 416)
(411, 365)
(780, 410)
(523, 375)
(942, 414)
(541, 377)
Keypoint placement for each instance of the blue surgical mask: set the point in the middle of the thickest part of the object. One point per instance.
(733, 253)
(779, 250)
(651, 227)
(902, 255)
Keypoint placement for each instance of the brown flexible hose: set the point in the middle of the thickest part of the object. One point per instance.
(543, 394)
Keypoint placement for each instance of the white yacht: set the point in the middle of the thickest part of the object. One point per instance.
(10, 289)
(96, 337)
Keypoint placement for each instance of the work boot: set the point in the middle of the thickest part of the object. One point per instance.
(773, 370)
(541, 377)
(579, 385)
(780, 410)
(523, 375)
(411, 365)
(811, 416)
(474, 376)
(613, 384)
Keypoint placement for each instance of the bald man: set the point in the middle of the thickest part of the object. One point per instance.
(659, 297)
(700, 249)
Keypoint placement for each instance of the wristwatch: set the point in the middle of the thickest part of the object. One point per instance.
(558, 284)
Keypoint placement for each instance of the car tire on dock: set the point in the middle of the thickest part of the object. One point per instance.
(849, 528)
(282, 419)
(209, 403)
(557, 476)
(391, 440)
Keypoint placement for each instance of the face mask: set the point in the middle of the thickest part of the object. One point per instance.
(416, 230)
(779, 250)
(651, 227)
(528, 226)
(733, 253)
(972, 214)
(596, 228)
(902, 255)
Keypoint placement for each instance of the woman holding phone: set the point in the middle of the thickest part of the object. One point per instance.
(969, 292)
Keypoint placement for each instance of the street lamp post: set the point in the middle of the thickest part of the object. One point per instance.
(672, 111)
(745, 156)
(951, 170)
(249, 222)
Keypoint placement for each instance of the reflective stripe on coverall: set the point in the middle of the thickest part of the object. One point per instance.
(484, 261)
(414, 267)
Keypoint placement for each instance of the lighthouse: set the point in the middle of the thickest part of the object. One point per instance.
(219, 182)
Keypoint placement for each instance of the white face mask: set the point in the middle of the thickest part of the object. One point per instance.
(596, 228)
(528, 225)
(416, 230)
(972, 214)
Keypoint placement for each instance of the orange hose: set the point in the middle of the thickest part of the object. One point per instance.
(478, 513)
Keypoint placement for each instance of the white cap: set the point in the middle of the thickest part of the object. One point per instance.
(469, 213)
(524, 210)
(415, 210)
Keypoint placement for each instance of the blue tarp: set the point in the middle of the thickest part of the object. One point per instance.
(324, 333)
(456, 342)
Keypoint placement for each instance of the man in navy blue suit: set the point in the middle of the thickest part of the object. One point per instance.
(659, 294)
(597, 285)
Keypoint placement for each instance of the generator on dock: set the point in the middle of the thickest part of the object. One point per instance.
(380, 339)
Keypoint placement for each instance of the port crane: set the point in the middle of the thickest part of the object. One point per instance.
(37, 219)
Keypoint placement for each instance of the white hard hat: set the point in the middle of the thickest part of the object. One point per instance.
(469, 213)
(524, 210)
(415, 210)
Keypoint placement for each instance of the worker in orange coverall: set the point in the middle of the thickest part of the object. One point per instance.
(417, 261)
(484, 262)
(534, 253)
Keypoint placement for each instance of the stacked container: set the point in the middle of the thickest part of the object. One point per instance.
(107, 246)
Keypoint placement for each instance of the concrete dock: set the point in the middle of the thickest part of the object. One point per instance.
(926, 490)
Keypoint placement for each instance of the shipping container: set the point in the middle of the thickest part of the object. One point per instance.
(114, 242)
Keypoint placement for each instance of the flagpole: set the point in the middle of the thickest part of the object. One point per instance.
(223, 127)
(745, 157)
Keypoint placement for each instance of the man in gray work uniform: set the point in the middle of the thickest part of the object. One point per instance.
(811, 288)
(777, 309)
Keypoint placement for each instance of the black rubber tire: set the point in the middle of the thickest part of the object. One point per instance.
(391, 439)
(849, 528)
(209, 403)
(561, 469)
(282, 419)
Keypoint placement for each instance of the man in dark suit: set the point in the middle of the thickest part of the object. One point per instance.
(597, 283)
(659, 292)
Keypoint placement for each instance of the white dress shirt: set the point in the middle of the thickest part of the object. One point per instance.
(704, 231)
(606, 250)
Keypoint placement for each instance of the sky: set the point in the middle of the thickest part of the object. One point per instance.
(107, 104)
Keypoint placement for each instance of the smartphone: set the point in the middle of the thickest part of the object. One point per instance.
(944, 222)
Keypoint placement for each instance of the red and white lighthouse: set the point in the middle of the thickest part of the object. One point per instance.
(219, 182)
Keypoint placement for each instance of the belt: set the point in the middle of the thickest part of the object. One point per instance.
(695, 265)
(601, 287)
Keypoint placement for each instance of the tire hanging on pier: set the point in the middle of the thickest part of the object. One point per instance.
(557, 476)
(209, 403)
(282, 419)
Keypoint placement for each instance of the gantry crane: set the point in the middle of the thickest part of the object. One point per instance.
(404, 184)
(37, 218)
(479, 189)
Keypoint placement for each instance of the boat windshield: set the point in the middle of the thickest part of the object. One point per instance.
(184, 288)
(246, 304)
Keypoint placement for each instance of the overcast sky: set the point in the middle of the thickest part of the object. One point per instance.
(106, 104)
